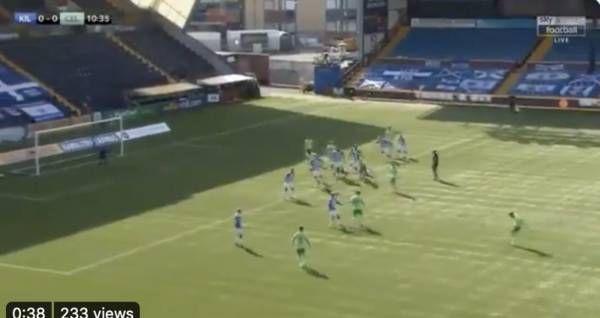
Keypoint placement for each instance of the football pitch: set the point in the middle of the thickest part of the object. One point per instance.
(156, 227)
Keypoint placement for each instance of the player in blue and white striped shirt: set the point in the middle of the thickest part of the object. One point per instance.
(288, 184)
(337, 158)
(334, 217)
(315, 169)
(237, 224)
(385, 145)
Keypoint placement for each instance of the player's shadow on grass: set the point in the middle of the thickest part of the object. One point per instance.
(371, 231)
(249, 251)
(300, 202)
(404, 195)
(315, 273)
(448, 183)
(346, 230)
(371, 183)
(533, 250)
(350, 182)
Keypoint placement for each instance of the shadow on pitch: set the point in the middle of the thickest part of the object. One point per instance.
(250, 251)
(533, 250)
(138, 182)
(535, 135)
(371, 183)
(350, 182)
(315, 273)
(524, 128)
(346, 230)
(404, 195)
(371, 231)
(448, 183)
(300, 202)
(351, 230)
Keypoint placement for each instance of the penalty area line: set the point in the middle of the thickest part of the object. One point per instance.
(34, 269)
(173, 238)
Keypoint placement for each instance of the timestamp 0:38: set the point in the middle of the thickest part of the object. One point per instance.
(72, 310)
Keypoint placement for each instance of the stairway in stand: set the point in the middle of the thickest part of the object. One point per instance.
(542, 48)
(398, 36)
(140, 57)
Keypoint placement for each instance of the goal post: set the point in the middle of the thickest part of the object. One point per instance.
(64, 145)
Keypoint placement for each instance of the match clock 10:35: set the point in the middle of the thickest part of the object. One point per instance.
(29, 310)
(98, 19)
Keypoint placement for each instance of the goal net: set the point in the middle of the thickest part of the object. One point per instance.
(72, 146)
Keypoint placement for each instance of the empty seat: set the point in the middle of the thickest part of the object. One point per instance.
(577, 49)
(167, 53)
(467, 44)
(85, 68)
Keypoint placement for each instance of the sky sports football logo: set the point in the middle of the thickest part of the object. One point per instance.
(561, 27)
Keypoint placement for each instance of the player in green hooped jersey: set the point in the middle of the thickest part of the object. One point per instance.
(517, 226)
(358, 204)
(393, 175)
(301, 243)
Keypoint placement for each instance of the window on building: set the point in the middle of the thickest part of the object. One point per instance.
(290, 5)
(351, 4)
(350, 26)
(333, 4)
(331, 26)
(271, 4)
(289, 27)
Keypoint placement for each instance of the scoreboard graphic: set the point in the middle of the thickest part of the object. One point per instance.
(561, 27)
(63, 18)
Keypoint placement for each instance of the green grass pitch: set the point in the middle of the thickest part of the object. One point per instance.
(156, 226)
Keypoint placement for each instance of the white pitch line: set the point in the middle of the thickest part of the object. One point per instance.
(34, 269)
(20, 197)
(173, 237)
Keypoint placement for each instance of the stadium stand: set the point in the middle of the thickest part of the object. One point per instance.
(18, 91)
(96, 74)
(576, 50)
(168, 54)
(452, 78)
(556, 79)
(466, 44)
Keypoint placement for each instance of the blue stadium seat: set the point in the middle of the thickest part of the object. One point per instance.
(84, 68)
(467, 44)
(16, 91)
(442, 79)
(556, 79)
(576, 50)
